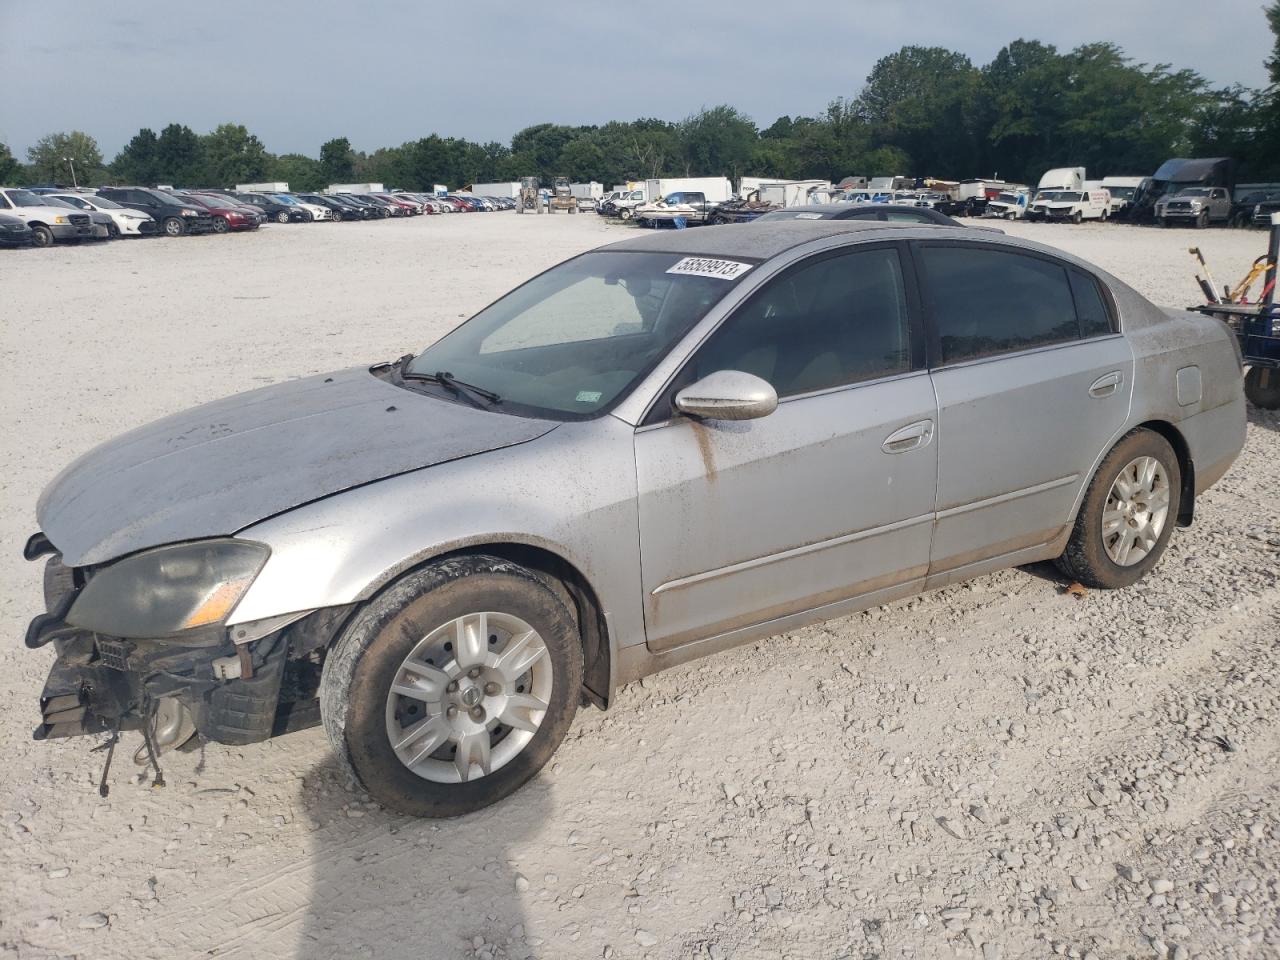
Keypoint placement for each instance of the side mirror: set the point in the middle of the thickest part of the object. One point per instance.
(728, 395)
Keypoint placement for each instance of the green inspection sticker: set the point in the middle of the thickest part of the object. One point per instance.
(589, 396)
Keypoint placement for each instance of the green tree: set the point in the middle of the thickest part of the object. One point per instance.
(10, 168)
(299, 171)
(1022, 109)
(337, 160)
(1273, 21)
(231, 154)
(62, 157)
(139, 161)
(177, 155)
(922, 100)
(717, 142)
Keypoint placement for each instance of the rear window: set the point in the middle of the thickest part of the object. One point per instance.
(986, 302)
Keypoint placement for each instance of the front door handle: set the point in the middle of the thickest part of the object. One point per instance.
(911, 437)
(1106, 384)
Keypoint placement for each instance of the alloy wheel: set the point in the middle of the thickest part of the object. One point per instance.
(469, 697)
(1136, 511)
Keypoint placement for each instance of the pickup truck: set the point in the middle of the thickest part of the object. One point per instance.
(1195, 206)
(691, 206)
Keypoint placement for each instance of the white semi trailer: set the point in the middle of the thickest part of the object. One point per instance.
(715, 189)
(509, 189)
(356, 188)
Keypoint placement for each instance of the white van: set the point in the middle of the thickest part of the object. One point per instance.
(1070, 205)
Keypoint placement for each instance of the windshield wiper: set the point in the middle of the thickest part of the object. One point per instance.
(454, 385)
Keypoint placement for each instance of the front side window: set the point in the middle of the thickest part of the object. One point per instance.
(832, 321)
(987, 301)
(573, 340)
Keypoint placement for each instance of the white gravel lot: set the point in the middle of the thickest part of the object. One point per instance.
(993, 770)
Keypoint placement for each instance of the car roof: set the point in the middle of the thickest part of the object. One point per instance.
(761, 241)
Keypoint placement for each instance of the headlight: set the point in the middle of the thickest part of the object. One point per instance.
(190, 213)
(165, 591)
(59, 219)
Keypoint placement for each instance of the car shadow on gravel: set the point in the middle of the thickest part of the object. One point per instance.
(388, 887)
(1267, 419)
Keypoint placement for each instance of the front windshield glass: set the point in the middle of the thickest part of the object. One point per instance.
(1008, 198)
(1063, 195)
(55, 202)
(1123, 193)
(25, 198)
(573, 340)
(102, 203)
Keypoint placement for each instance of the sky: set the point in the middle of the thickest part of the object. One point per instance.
(381, 72)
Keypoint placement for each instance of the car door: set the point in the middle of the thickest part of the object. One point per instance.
(829, 497)
(1033, 384)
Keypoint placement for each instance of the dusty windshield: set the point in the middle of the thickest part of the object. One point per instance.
(570, 342)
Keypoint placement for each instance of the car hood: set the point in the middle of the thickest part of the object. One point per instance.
(218, 468)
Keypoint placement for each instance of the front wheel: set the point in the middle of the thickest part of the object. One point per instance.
(625, 214)
(1076, 217)
(220, 225)
(1262, 387)
(42, 236)
(453, 687)
(1128, 514)
(174, 227)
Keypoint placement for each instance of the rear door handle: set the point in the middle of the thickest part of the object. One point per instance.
(911, 437)
(1106, 384)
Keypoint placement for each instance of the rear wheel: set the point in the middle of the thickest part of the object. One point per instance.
(1128, 513)
(1262, 387)
(453, 687)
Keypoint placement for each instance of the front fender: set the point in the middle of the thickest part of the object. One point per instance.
(571, 492)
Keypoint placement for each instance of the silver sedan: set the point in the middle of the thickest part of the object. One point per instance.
(652, 452)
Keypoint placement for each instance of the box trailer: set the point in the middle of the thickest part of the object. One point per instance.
(440, 190)
(279, 186)
(356, 188)
(715, 189)
(587, 191)
(790, 193)
(509, 189)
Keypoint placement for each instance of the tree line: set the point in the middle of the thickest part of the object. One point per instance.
(923, 111)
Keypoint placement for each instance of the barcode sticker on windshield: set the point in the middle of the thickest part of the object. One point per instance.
(705, 267)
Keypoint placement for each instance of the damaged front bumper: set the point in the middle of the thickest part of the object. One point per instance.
(200, 682)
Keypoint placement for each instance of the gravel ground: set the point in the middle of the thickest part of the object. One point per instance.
(997, 769)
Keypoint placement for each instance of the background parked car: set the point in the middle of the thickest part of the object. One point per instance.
(128, 221)
(49, 221)
(274, 209)
(175, 217)
(226, 215)
(14, 231)
(222, 199)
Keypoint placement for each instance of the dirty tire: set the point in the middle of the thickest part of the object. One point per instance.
(1085, 558)
(1262, 387)
(42, 236)
(365, 659)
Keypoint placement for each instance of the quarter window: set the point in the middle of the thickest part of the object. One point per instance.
(833, 321)
(1095, 319)
(987, 302)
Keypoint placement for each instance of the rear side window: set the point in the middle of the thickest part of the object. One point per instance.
(1095, 319)
(987, 302)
